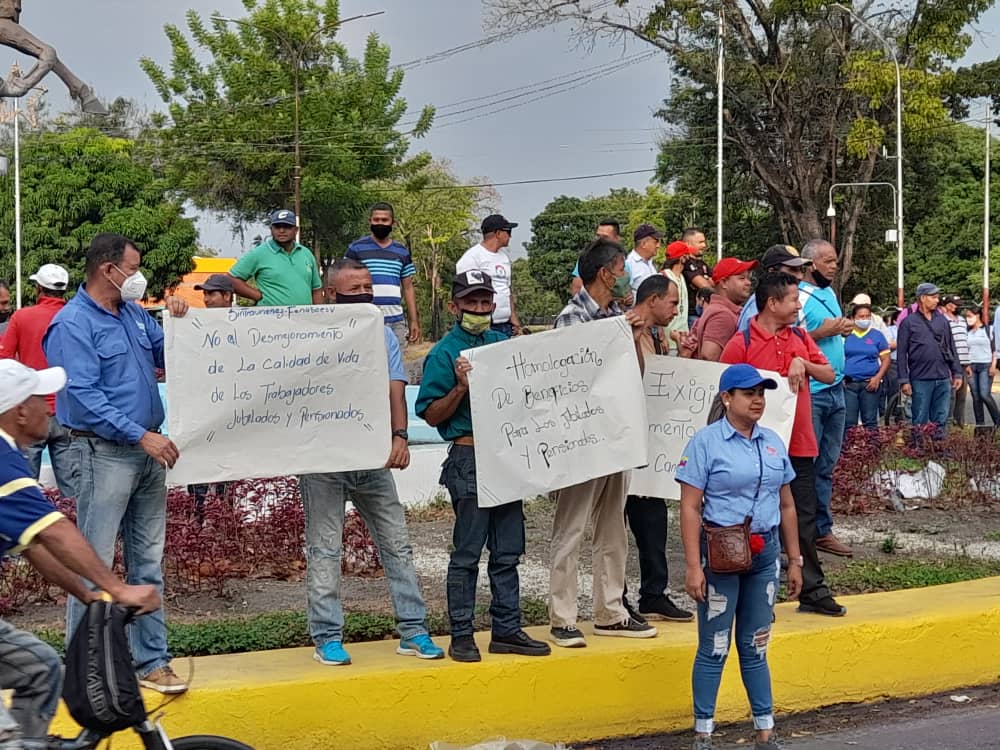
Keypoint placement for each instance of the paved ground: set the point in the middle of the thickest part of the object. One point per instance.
(972, 729)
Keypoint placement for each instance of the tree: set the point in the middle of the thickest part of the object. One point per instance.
(229, 142)
(809, 92)
(533, 300)
(79, 183)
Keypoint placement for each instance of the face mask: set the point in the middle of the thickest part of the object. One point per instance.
(474, 323)
(862, 325)
(621, 287)
(353, 299)
(134, 286)
(820, 280)
(5, 316)
(381, 231)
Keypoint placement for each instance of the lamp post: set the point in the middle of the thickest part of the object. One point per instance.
(720, 81)
(899, 149)
(986, 218)
(296, 54)
(831, 211)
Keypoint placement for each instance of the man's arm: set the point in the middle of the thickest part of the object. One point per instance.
(410, 295)
(9, 340)
(831, 327)
(399, 456)
(444, 386)
(902, 361)
(700, 282)
(318, 297)
(243, 289)
(515, 321)
(817, 365)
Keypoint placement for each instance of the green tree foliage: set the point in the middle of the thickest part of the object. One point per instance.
(228, 144)
(79, 183)
(533, 300)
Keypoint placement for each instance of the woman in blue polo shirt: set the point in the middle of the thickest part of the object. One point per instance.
(866, 360)
(731, 470)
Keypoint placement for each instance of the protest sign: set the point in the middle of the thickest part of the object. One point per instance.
(272, 391)
(679, 395)
(555, 408)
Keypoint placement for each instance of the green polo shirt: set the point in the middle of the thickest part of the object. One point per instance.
(283, 278)
(439, 378)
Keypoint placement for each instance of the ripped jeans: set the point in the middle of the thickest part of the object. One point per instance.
(748, 600)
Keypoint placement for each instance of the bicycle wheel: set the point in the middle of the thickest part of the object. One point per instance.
(207, 742)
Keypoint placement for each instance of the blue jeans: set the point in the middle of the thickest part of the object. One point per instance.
(981, 385)
(122, 488)
(932, 403)
(500, 529)
(60, 454)
(33, 670)
(859, 400)
(374, 494)
(746, 599)
(828, 413)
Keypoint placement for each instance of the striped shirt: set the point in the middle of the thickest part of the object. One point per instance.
(960, 333)
(24, 511)
(581, 308)
(388, 267)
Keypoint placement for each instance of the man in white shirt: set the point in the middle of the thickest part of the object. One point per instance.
(639, 263)
(490, 257)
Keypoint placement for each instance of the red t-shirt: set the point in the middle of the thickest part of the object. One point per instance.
(776, 352)
(718, 321)
(23, 338)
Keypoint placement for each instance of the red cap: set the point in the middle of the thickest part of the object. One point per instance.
(677, 249)
(730, 267)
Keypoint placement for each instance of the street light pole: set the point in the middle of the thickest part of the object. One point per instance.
(720, 76)
(17, 204)
(831, 210)
(986, 218)
(900, 299)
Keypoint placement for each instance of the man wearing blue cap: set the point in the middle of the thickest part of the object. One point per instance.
(284, 270)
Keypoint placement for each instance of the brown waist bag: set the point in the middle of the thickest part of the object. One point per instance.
(729, 547)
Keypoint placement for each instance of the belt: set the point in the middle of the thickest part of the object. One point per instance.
(464, 440)
(848, 379)
(91, 434)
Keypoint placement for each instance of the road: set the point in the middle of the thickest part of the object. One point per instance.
(969, 729)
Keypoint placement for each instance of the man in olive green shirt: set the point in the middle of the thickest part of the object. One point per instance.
(285, 271)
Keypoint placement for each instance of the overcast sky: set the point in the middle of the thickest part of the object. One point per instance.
(604, 124)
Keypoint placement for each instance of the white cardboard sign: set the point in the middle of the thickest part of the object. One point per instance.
(273, 391)
(554, 409)
(679, 395)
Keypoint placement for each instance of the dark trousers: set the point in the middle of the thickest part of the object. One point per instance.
(958, 401)
(500, 529)
(647, 517)
(804, 492)
(506, 328)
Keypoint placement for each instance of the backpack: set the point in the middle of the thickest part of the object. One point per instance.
(746, 335)
(101, 689)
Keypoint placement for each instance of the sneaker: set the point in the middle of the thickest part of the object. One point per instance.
(420, 646)
(627, 629)
(632, 611)
(463, 648)
(772, 743)
(518, 642)
(826, 606)
(661, 608)
(702, 742)
(567, 637)
(332, 653)
(163, 680)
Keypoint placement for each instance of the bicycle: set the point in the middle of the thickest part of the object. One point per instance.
(151, 733)
(897, 410)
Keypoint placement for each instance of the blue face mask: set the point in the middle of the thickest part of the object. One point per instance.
(863, 325)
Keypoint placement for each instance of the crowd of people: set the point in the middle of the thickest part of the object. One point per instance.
(79, 377)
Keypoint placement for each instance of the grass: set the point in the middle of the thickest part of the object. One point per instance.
(992, 536)
(864, 576)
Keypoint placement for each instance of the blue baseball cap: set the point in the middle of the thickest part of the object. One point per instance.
(744, 376)
(283, 216)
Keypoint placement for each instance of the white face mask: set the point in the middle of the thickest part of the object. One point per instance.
(133, 288)
(863, 324)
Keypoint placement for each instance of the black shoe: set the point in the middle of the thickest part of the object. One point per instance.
(632, 612)
(825, 606)
(567, 637)
(463, 648)
(518, 642)
(628, 629)
(661, 608)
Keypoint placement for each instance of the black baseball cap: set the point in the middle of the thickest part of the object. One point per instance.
(217, 282)
(782, 255)
(496, 223)
(469, 282)
(646, 230)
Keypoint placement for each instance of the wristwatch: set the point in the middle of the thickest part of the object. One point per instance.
(401, 434)
(796, 561)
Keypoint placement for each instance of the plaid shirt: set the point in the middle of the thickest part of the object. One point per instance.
(581, 308)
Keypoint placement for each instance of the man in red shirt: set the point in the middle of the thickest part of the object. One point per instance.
(773, 342)
(717, 323)
(23, 341)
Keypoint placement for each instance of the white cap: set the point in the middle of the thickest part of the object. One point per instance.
(51, 276)
(861, 299)
(18, 383)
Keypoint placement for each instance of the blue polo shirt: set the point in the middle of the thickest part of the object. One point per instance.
(110, 363)
(817, 306)
(388, 267)
(863, 352)
(24, 511)
(727, 467)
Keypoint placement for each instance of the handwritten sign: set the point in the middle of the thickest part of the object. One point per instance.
(554, 409)
(679, 395)
(270, 391)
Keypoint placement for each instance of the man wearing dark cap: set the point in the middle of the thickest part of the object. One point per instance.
(217, 290)
(490, 257)
(284, 271)
(639, 263)
(951, 307)
(783, 258)
(443, 402)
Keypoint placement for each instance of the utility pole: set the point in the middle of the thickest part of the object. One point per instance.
(721, 76)
(986, 217)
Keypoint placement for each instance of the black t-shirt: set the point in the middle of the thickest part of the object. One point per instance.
(692, 269)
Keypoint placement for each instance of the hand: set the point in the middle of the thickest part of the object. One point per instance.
(906, 389)
(956, 383)
(176, 306)
(694, 583)
(399, 456)
(462, 369)
(796, 374)
(993, 371)
(793, 585)
(160, 449)
(873, 384)
(846, 325)
(628, 299)
(968, 370)
(637, 322)
(416, 335)
(676, 337)
(144, 598)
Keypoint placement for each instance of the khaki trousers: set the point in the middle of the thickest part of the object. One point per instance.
(601, 501)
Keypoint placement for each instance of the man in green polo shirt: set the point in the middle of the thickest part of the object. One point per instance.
(285, 271)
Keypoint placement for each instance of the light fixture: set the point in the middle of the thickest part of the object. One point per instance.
(831, 212)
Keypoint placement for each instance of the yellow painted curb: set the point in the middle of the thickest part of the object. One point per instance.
(896, 644)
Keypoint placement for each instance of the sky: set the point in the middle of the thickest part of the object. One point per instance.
(602, 123)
